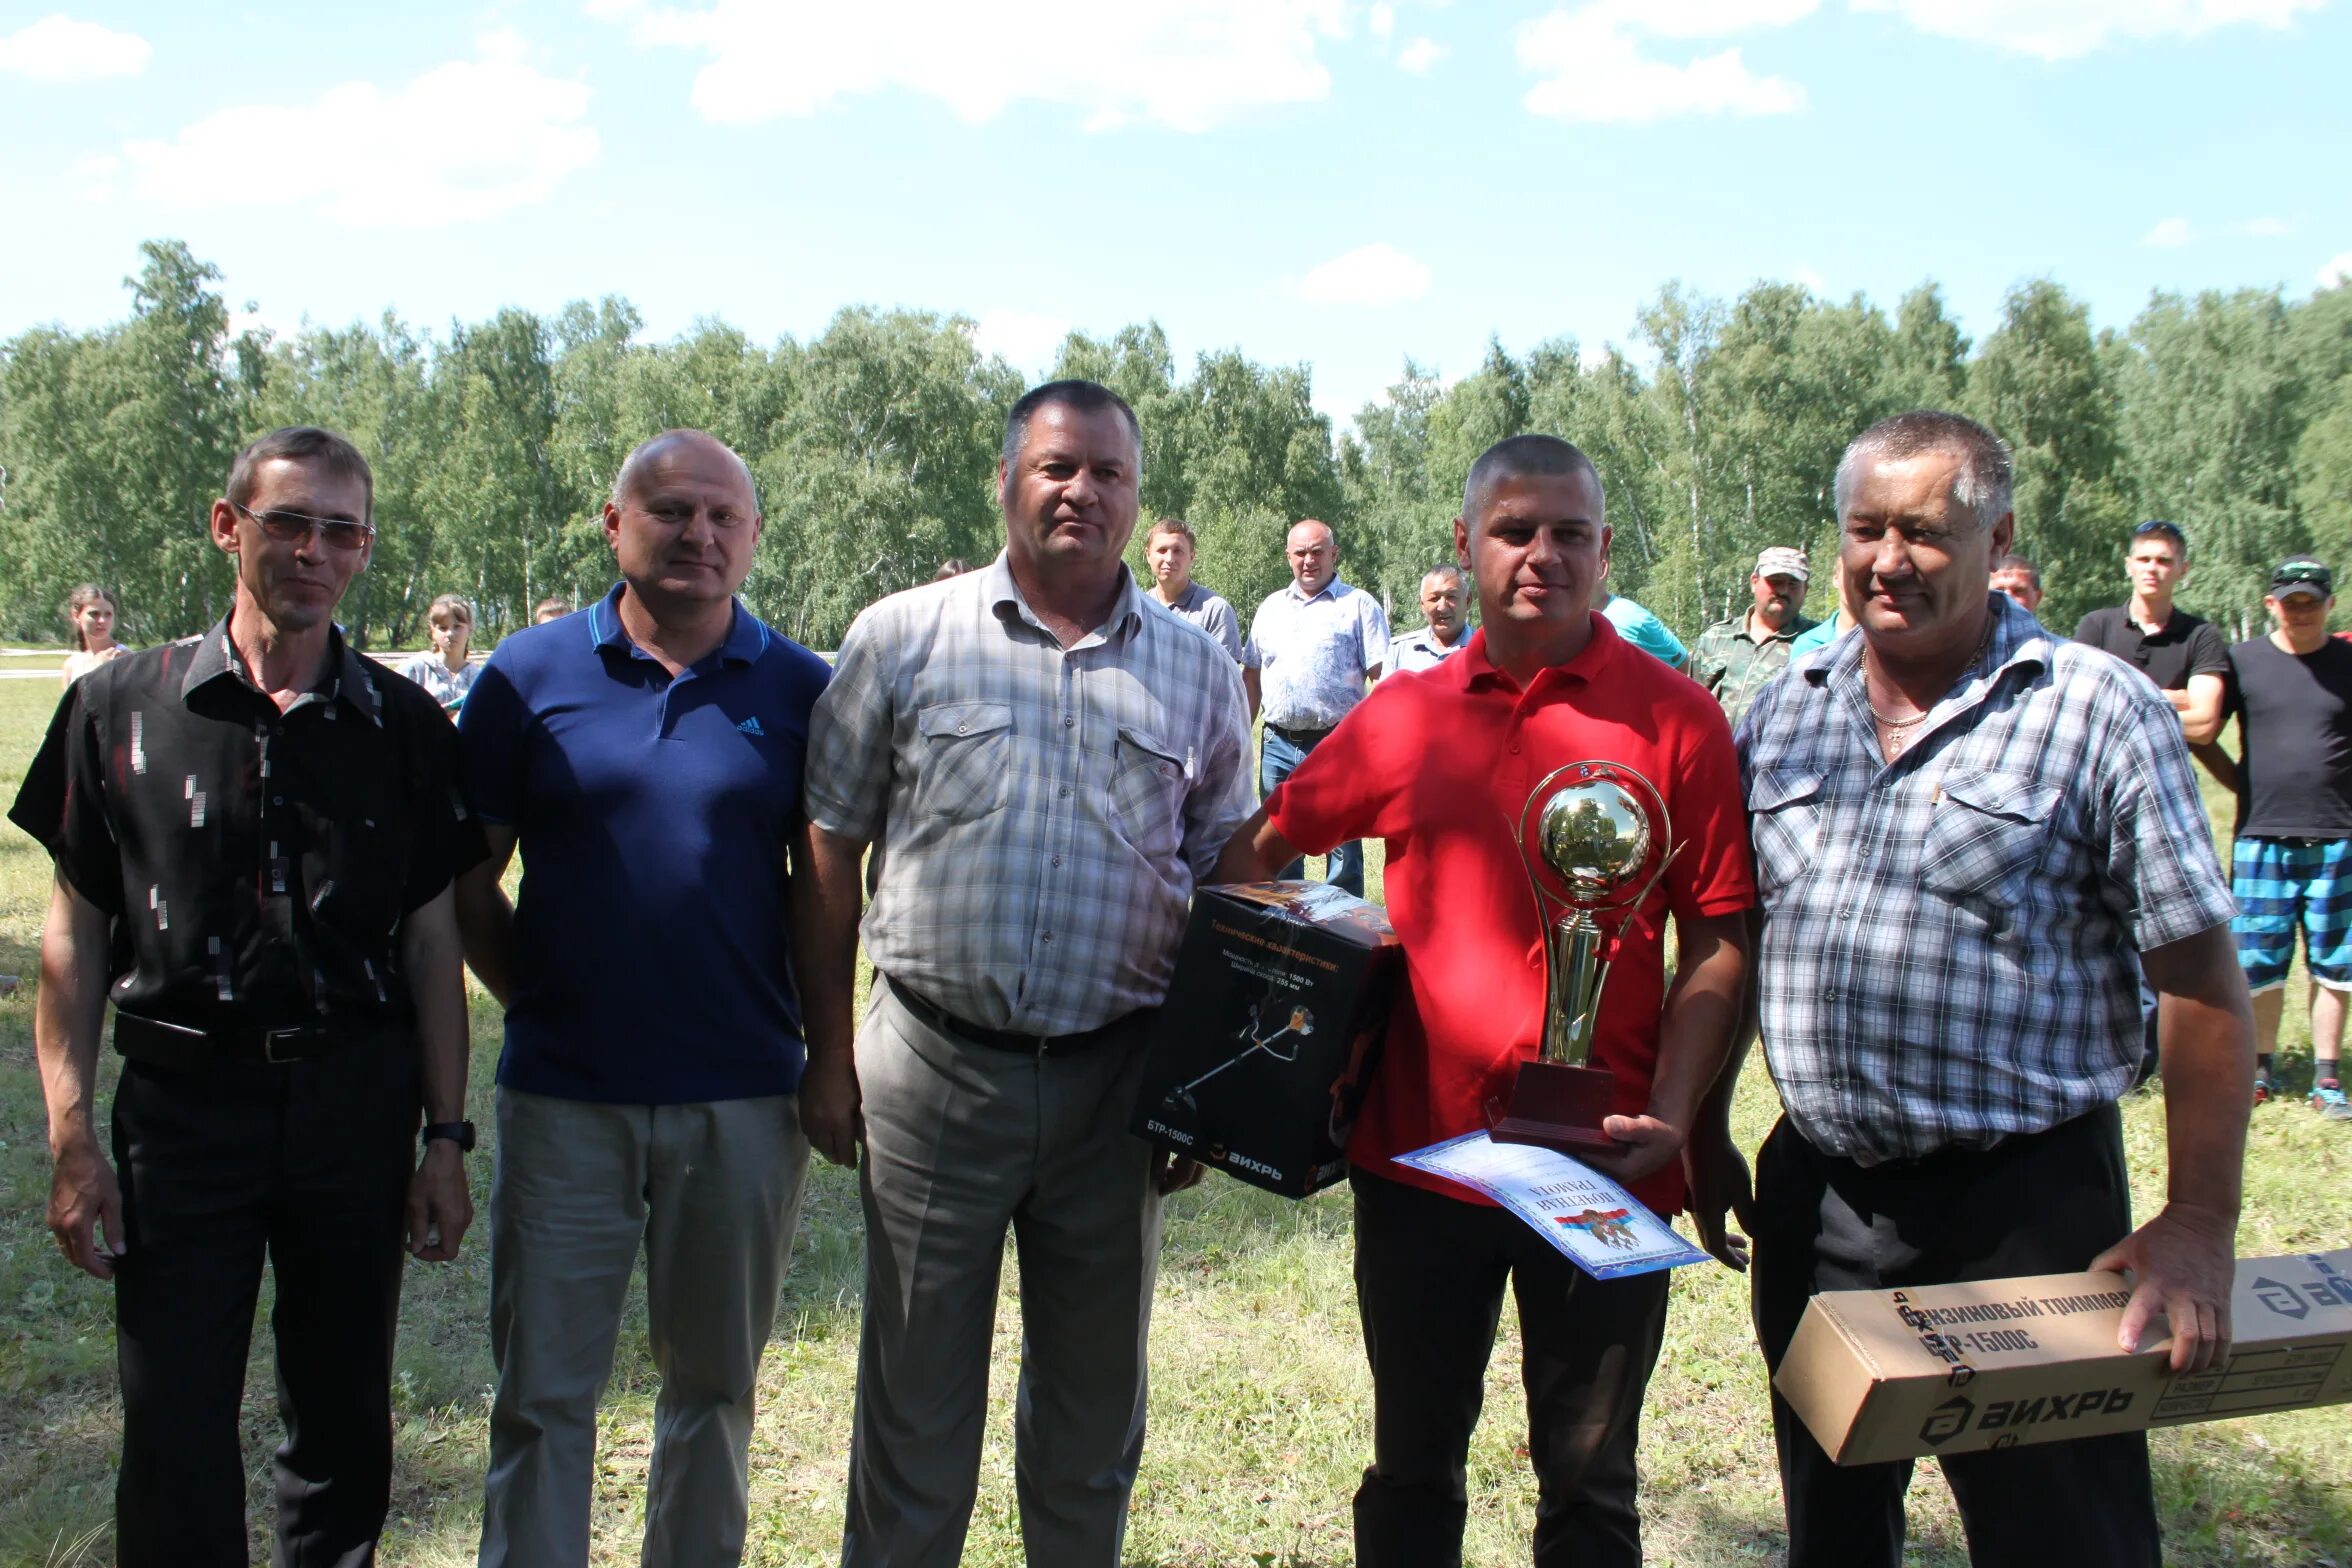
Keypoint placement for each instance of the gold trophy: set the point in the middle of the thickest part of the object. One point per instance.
(1595, 838)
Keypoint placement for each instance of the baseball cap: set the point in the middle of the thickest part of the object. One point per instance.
(1781, 561)
(2302, 574)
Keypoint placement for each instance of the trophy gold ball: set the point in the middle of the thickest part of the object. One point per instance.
(1594, 835)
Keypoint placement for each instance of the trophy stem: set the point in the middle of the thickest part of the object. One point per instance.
(1575, 975)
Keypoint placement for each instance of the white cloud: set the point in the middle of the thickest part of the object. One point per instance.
(1026, 341)
(2263, 228)
(1377, 274)
(97, 174)
(1592, 67)
(1186, 64)
(2169, 234)
(463, 142)
(1419, 55)
(1711, 18)
(1382, 20)
(2337, 272)
(2065, 29)
(60, 49)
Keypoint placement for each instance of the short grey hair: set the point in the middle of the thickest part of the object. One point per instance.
(1985, 483)
(1444, 569)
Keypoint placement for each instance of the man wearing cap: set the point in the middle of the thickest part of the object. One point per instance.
(2182, 653)
(1735, 658)
(2292, 865)
(1448, 630)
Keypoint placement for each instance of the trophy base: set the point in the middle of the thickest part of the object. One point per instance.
(1557, 1107)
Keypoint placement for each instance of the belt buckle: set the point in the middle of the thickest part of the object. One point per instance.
(270, 1039)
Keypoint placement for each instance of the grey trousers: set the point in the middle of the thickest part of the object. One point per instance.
(961, 1142)
(712, 1192)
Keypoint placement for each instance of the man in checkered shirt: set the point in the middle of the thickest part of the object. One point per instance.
(1045, 765)
(1970, 836)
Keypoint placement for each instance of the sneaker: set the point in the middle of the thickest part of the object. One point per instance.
(2327, 1098)
(2261, 1088)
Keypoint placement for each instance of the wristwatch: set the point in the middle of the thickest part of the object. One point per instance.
(459, 1133)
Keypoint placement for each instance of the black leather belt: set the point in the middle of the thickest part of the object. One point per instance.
(175, 1045)
(1296, 737)
(946, 1022)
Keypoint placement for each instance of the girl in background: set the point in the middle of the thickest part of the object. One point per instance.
(445, 671)
(90, 611)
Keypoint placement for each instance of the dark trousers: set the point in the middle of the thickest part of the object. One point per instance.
(308, 1165)
(2042, 1204)
(1430, 1272)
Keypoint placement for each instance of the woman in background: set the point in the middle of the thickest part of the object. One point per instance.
(445, 669)
(90, 611)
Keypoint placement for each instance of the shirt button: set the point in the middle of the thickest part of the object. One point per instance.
(1064, 792)
(1829, 993)
(1055, 861)
(963, 729)
(1069, 719)
(1514, 748)
(1047, 937)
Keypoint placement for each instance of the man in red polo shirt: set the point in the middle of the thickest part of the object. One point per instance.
(1439, 764)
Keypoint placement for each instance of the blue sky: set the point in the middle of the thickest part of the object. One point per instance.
(1330, 181)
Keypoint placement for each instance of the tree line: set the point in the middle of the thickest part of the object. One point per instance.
(874, 443)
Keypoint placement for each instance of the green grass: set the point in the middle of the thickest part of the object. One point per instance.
(1260, 1403)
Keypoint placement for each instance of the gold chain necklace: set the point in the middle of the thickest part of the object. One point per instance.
(1896, 738)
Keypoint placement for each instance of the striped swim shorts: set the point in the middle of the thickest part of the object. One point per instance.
(2283, 883)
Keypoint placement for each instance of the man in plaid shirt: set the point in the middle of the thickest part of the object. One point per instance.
(1043, 764)
(1970, 836)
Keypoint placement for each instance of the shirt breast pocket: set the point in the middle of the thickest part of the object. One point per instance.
(1784, 822)
(966, 759)
(1147, 793)
(1988, 834)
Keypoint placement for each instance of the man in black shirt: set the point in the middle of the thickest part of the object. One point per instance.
(2182, 653)
(2293, 863)
(255, 832)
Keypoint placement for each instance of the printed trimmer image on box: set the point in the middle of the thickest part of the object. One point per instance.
(1944, 1369)
(1273, 1024)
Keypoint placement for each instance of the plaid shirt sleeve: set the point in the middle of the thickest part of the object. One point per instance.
(851, 739)
(1220, 801)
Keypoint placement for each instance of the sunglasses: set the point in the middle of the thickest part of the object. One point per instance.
(295, 528)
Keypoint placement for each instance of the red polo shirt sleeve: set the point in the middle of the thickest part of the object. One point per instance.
(1713, 875)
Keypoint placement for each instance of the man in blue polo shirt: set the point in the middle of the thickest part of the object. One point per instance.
(646, 754)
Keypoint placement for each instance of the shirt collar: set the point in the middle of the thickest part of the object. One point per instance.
(1329, 590)
(350, 677)
(746, 639)
(1472, 667)
(2017, 639)
(1004, 595)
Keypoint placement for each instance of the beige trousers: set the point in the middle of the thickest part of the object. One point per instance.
(963, 1141)
(711, 1192)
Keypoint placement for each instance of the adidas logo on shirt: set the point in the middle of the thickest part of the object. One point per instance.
(751, 726)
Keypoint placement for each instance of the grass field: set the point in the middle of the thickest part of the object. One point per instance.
(1260, 1402)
